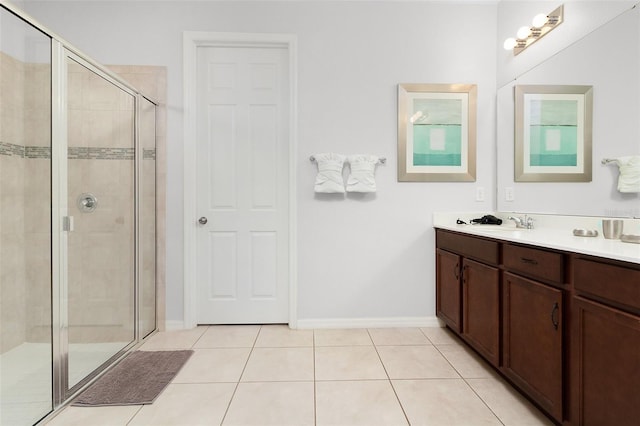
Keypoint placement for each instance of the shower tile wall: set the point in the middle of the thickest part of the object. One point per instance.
(25, 196)
(101, 248)
(25, 192)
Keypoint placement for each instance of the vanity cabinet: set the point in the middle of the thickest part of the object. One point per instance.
(448, 291)
(532, 340)
(563, 327)
(481, 308)
(468, 290)
(533, 282)
(605, 361)
(506, 301)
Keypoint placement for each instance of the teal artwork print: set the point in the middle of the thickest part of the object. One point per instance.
(553, 133)
(437, 132)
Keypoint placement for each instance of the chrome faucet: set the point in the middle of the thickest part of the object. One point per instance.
(522, 222)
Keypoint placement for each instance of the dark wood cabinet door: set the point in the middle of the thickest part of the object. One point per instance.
(532, 340)
(448, 288)
(605, 365)
(481, 308)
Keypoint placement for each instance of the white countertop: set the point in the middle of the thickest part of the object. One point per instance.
(550, 231)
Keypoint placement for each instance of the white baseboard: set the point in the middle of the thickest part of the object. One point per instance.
(173, 325)
(345, 323)
(369, 322)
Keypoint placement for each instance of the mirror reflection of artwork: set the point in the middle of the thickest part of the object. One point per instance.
(553, 133)
(436, 132)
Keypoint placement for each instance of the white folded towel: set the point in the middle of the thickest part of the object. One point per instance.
(629, 179)
(329, 177)
(361, 178)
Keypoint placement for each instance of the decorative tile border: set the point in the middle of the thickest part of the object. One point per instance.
(87, 153)
(37, 152)
(74, 153)
(12, 150)
(148, 154)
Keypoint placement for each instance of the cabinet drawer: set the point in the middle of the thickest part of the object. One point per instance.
(545, 265)
(611, 282)
(473, 247)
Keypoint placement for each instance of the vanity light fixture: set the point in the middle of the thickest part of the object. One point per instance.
(540, 26)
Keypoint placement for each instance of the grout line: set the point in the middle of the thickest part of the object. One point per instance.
(389, 380)
(315, 401)
(134, 415)
(235, 389)
(200, 337)
(464, 379)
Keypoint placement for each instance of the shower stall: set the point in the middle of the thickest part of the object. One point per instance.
(77, 219)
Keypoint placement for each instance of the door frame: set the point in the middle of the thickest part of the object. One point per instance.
(192, 40)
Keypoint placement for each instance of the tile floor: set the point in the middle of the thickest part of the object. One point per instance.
(271, 375)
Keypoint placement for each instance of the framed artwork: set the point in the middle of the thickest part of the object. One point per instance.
(553, 133)
(437, 132)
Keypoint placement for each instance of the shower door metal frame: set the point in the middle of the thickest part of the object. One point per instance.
(139, 157)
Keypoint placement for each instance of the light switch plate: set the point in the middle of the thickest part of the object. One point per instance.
(508, 194)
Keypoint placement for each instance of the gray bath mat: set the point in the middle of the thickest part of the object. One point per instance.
(138, 379)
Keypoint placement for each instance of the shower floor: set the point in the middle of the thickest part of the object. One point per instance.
(25, 377)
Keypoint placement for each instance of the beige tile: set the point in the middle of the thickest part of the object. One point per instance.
(343, 337)
(445, 402)
(214, 365)
(283, 403)
(348, 363)
(466, 362)
(368, 402)
(398, 336)
(187, 404)
(440, 335)
(229, 336)
(415, 362)
(279, 365)
(281, 336)
(510, 407)
(95, 416)
(177, 339)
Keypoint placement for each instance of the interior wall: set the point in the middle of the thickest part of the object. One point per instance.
(358, 257)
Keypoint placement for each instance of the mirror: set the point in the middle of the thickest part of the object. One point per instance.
(609, 60)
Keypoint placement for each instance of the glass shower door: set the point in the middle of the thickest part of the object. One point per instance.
(25, 222)
(100, 201)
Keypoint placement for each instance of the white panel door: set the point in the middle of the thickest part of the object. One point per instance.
(242, 185)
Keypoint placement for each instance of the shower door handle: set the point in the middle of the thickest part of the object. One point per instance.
(67, 223)
(203, 220)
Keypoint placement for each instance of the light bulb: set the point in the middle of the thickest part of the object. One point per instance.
(539, 20)
(510, 43)
(523, 32)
